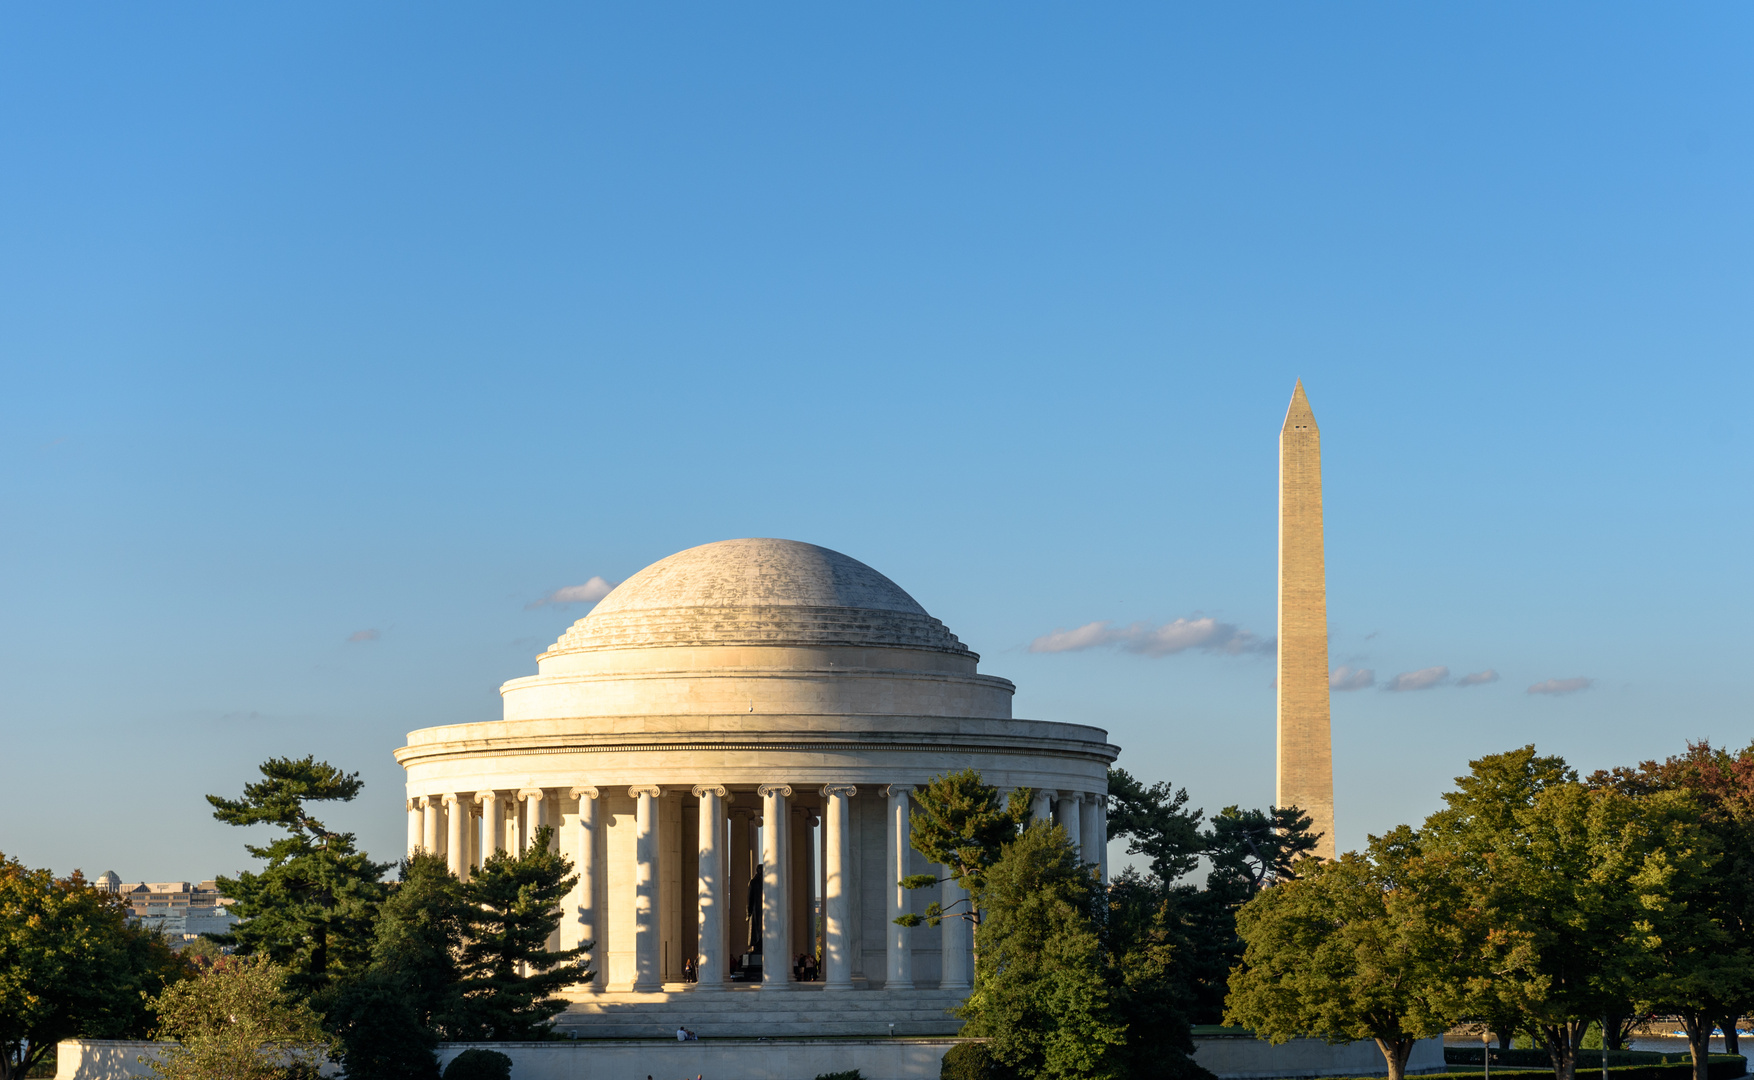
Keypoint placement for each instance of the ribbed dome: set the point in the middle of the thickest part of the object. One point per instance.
(758, 592)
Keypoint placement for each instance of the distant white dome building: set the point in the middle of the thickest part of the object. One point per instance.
(730, 736)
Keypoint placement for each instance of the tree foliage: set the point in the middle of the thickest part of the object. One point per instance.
(1041, 987)
(312, 906)
(237, 1021)
(962, 824)
(71, 965)
(1348, 952)
(507, 975)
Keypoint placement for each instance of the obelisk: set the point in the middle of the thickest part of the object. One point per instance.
(1306, 755)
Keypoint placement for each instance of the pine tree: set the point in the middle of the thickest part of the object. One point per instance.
(508, 975)
(310, 909)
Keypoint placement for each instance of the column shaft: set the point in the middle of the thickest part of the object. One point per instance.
(1090, 847)
(898, 841)
(532, 816)
(776, 965)
(837, 951)
(1041, 808)
(585, 849)
(456, 855)
(415, 825)
(646, 976)
(430, 824)
(710, 941)
(1070, 819)
(955, 956)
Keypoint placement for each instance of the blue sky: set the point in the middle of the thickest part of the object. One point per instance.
(396, 318)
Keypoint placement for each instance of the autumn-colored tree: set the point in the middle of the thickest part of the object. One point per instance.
(237, 1021)
(71, 965)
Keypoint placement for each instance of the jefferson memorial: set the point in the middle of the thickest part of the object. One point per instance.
(725, 747)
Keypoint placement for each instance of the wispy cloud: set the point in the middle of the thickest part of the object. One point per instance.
(588, 593)
(363, 635)
(1423, 679)
(1350, 678)
(1478, 678)
(1204, 633)
(1562, 686)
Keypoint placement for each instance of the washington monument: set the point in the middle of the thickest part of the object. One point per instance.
(1306, 755)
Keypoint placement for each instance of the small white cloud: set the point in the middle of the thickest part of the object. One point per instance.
(364, 635)
(1202, 633)
(588, 593)
(1562, 686)
(1423, 679)
(1350, 678)
(1478, 678)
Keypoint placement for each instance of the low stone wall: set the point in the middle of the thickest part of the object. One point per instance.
(719, 1059)
(103, 1059)
(1231, 1057)
(1244, 1057)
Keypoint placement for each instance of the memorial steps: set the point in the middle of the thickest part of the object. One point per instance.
(803, 1010)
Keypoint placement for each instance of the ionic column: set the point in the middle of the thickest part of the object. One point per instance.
(710, 945)
(955, 954)
(1042, 807)
(492, 827)
(532, 816)
(1093, 841)
(898, 839)
(837, 946)
(456, 855)
(585, 845)
(1070, 820)
(430, 824)
(776, 965)
(414, 826)
(1102, 833)
(646, 974)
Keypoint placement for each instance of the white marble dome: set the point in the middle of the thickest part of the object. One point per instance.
(757, 592)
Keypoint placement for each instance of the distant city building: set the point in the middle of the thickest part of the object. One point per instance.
(174, 908)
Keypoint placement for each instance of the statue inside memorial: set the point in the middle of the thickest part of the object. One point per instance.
(755, 911)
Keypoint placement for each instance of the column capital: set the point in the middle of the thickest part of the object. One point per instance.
(645, 789)
(774, 789)
(843, 790)
(700, 791)
(414, 803)
(449, 798)
(890, 791)
(585, 791)
(485, 797)
(530, 793)
(425, 801)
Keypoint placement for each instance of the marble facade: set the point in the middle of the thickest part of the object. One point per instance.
(745, 707)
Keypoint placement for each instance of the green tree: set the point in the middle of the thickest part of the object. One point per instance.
(1347, 952)
(1149, 984)
(71, 965)
(1557, 873)
(390, 1019)
(1156, 823)
(237, 1021)
(1041, 994)
(508, 976)
(1721, 784)
(311, 908)
(963, 824)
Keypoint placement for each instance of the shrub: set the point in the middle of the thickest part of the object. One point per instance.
(850, 1074)
(479, 1064)
(971, 1061)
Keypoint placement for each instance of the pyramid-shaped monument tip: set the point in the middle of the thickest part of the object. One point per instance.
(1299, 416)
